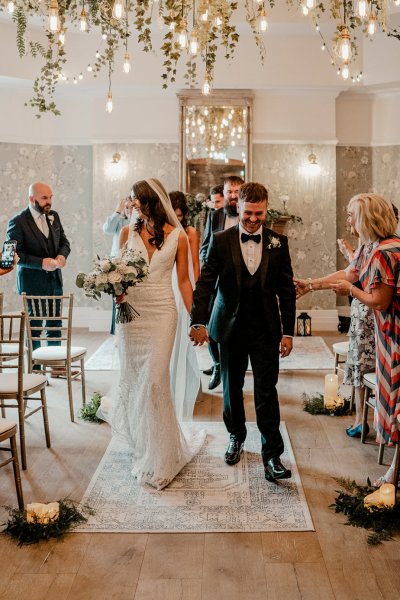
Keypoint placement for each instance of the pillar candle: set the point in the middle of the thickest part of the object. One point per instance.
(331, 389)
(387, 495)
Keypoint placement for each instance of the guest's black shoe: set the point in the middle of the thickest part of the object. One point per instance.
(274, 469)
(208, 371)
(235, 449)
(215, 379)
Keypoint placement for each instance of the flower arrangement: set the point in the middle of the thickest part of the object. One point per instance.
(45, 521)
(197, 208)
(315, 406)
(114, 276)
(89, 411)
(274, 242)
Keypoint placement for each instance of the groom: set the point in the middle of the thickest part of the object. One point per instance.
(253, 316)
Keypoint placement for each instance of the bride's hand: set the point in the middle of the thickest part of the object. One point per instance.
(120, 299)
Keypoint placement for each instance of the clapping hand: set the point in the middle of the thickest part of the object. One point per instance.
(61, 261)
(49, 264)
(302, 287)
(342, 287)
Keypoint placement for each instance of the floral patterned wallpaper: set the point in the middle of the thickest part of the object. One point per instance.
(311, 243)
(68, 170)
(87, 187)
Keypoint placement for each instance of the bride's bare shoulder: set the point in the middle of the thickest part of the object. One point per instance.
(123, 236)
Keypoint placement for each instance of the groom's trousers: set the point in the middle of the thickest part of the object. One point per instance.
(250, 339)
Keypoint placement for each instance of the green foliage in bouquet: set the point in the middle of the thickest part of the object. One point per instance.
(315, 406)
(382, 523)
(71, 514)
(88, 412)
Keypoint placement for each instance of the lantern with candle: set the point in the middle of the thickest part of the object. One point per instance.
(303, 324)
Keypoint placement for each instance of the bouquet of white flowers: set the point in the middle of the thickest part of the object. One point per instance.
(114, 276)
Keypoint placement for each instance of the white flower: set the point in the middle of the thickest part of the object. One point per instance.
(104, 265)
(42, 513)
(114, 277)
(274, 242)
(101, 278)
(51, 219)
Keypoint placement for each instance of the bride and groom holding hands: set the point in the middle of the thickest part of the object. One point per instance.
(253, 316)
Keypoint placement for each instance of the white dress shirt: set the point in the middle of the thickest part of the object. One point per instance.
(251, 251)
(40, 220)
(230, 221)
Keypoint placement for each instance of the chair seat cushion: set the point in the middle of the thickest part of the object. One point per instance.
(370, 378)
(6, 425)
(57, 352)
(9, 382)
(341, 348)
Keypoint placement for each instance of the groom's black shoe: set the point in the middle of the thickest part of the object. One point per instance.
(208, 371)
(235, 449)
(215, 379)
(274, 469)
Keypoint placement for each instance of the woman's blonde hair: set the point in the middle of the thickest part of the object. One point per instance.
(374, 218)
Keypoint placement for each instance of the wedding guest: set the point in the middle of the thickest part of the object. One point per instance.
(217, 196)
(43, 249)
(219, 220)
(112, 226)
(376, 265)
(181, 209)
(253, 317)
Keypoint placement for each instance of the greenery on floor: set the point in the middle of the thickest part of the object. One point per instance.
(88, 412)
(31, 532)
(382, 523)
(315, 406)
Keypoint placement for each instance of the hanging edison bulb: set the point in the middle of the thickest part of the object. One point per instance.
(362, 8)
(310, 4)
(182, 35)
(109, 104)
(61, 36)
(193, 42)
(304, 9)
(206, 87)
(371, 24)
(118, 10)
(83, 20)
(344, 44)
(345, 70)
(203, 11)
(262, 21)
(10, 7)
(54, 17)
(127, 65)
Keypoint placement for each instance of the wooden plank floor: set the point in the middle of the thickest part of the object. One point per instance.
(332, 562)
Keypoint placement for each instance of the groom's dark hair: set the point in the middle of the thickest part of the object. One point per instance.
(253, 192)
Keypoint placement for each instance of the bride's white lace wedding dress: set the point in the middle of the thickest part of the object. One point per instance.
(143, 414)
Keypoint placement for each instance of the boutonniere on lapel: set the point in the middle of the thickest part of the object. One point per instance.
(274, 242)
(51, 219)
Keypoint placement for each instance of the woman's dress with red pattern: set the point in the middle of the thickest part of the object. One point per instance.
(381, 264)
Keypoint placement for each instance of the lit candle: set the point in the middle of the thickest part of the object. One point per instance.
(387, 495)
(331, 389)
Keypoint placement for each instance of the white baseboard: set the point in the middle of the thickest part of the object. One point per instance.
(100, 320)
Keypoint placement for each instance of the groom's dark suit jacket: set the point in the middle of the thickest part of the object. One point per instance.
(224, 264)
(32, 248)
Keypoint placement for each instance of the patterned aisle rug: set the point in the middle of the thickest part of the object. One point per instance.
(309, 353)
(206, 496)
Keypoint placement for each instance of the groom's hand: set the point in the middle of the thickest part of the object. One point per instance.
(198, 335)
(286, 346)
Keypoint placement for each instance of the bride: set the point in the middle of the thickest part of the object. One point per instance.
(143, 415)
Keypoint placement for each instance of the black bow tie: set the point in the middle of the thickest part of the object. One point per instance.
(255, 238)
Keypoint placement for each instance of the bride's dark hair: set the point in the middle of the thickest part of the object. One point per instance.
(151, 206)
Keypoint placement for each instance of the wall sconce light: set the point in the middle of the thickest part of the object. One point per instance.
(116, 158)
(116, 168)
(311, 168)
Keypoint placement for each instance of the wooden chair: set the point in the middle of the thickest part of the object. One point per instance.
(64, 356)
(8, 431)
(19, 387)
(369, 383)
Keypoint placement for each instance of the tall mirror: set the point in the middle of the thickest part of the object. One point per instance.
(215, 138)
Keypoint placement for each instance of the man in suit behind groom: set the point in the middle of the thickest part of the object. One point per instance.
(42, 248)
(219, 220)
(253, 316)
